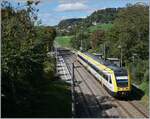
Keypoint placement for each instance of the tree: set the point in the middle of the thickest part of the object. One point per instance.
(81, 38)
(97, 38)
(23, 54)
(131, 32)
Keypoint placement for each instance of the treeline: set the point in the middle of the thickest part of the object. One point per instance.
(24, 49)
(129, 34)
(68, 26)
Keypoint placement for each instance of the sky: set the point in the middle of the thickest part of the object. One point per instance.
(51, 12)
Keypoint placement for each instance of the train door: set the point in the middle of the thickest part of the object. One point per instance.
(110, 85)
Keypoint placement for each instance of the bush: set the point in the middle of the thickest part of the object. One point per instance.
(145, 87)
(49, 69)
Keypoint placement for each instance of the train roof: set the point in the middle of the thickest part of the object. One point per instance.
(107, 63)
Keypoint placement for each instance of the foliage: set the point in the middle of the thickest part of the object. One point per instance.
(97, 38)
(81, 39)
(131, 32)
(49, 69)
(145, 87)
(104, 15)
(24, 49)
(139, 71)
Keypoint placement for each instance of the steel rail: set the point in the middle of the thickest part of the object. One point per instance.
(88, 112)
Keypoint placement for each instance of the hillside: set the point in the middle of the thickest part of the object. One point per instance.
(98, 17)
(69, 22)
(100, 26)
(103, 16)
(67, 25)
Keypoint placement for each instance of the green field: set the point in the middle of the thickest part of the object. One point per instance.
(63, 41)
(104, 27)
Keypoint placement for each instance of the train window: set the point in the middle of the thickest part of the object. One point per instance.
(110, 81)
(109, 78)
(106, 77)
(101, 73)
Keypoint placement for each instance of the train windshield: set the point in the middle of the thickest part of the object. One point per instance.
(121, 78)
(122, 83)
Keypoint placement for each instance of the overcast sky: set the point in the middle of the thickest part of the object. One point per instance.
(51, 12)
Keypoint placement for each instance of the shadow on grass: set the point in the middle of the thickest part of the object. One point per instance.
(55, 101)
(52, 99)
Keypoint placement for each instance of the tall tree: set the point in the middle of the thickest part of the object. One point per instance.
(131, 31)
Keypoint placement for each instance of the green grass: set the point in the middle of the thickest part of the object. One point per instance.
(55, 101)
(145, 88)
(63, 41)
(104, 27)
(145, 101)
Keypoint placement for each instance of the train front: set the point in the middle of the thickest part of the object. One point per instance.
(123, 82)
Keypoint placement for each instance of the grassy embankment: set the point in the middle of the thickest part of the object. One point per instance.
(54, 100)
(51, 98)
(64, 41)
(144, 86)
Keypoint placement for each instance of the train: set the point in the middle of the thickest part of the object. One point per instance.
(115, 79)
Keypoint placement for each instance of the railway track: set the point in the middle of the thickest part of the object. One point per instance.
(93, 94)
(96, 104)
(120, 104)
(86, 108)
(139, 110)
(84, 102)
